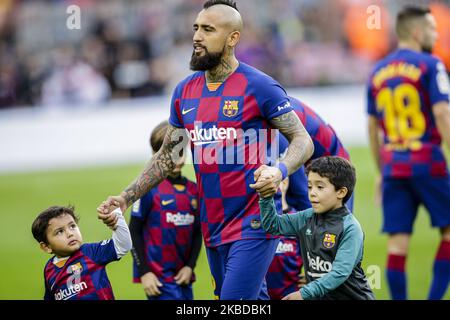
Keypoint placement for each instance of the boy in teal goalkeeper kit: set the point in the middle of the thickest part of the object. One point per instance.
(331, 238)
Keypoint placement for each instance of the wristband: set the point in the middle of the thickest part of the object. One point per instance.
(283, 169)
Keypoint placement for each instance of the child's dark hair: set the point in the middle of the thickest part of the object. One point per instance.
(211, 3)
(157, 135)
(339, 171)
(40, 224)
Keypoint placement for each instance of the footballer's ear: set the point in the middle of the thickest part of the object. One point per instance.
(45, 247)
(233, 38)
(342, 192)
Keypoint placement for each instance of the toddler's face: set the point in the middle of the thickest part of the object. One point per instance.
(63, 236)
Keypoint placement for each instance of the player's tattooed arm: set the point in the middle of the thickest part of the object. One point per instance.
(156, 170)
(159, 166)
(300, 147)
(267, 179)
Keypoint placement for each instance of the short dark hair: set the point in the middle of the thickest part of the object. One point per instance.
(210, 3)
(339, 171)
(157, 135)
(405, 16)
(40, 224)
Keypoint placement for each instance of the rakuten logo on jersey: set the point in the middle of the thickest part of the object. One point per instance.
(285, 247)
(317, 264)
(65, 294)
(201, 135)
(179, 219)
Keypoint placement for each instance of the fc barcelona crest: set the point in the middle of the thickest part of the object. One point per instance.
(230, 108)
(75, 268)
(329, 240)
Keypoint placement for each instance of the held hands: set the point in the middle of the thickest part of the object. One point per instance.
(268, 180)
(151, 284)
(183, 276)
(106, 208)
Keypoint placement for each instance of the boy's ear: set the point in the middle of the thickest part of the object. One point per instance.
(45, 247)
(342, 192)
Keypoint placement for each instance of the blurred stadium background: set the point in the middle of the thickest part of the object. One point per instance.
(77, 107)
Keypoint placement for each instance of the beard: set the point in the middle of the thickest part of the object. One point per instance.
(207, 62)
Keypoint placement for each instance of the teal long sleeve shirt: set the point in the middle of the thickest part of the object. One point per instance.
(331, 246)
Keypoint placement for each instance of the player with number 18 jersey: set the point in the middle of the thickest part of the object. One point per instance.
(402, 90)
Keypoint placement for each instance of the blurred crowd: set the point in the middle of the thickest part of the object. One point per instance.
(140, 48)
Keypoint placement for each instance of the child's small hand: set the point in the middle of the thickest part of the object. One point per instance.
(294, 296)
(263, 177)
(151, 284)
(183, 276)
(110, 219)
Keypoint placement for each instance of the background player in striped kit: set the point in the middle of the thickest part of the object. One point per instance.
(166, 233)
(408, 100)
(215, 106)
(77, 270)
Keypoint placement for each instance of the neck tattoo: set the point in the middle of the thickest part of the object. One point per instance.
(219, 73)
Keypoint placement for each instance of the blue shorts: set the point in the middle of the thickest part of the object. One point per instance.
(402, 197)
(239, 268)
(173, 291)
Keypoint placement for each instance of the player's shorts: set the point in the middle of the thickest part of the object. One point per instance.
(173, 291)
(239, 268)
(402, 197)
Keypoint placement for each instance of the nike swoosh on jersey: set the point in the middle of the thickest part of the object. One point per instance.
(166, 202)
(186, 111)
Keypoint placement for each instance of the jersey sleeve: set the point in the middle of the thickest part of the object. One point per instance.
(274, 99)
(438, 82)
(280, 225)
(102, 252)
(175, 118)
(142, 206)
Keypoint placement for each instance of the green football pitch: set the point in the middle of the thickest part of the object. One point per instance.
(23, 196)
